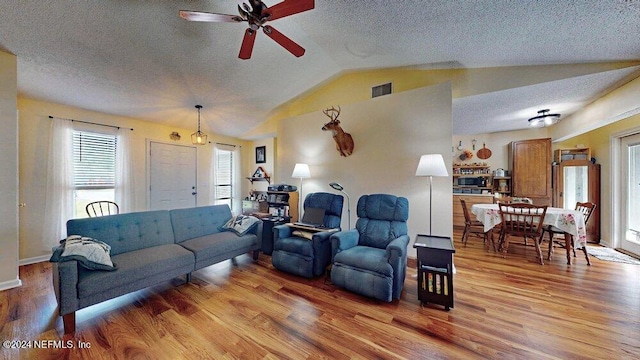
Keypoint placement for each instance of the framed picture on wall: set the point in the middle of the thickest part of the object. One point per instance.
(261, 154)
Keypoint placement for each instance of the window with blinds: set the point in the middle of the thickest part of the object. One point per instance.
(224, 177)
(94, 160)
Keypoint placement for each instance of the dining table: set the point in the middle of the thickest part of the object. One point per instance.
(569, 221)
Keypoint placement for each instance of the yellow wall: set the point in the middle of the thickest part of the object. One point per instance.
(34, 132)
(599, 140)
(9, 173)
(355, 86)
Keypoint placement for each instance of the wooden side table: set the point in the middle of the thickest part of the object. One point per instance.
(435, 269)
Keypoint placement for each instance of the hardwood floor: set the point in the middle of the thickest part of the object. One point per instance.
(509, 308)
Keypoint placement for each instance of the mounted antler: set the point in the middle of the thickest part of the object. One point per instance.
(332, 113)
(344, 141)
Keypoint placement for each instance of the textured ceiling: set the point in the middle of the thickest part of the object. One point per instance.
(510, 109)
(139, 59)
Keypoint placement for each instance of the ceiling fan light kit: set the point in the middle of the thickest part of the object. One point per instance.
(544, 119)
(198, 137)
(256, 14)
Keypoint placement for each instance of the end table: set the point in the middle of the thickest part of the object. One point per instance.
(435, 269)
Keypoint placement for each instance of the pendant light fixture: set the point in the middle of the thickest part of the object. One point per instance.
(544, 119)
(198, 137)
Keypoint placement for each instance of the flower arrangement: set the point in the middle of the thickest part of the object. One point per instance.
(466, 155)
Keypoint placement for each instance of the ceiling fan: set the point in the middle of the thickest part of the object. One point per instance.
(256, 13)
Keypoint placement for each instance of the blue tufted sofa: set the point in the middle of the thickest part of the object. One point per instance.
(148, 248)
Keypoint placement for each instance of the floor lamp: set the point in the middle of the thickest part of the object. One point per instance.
(300, 171)
(336, 186)
(431, 165)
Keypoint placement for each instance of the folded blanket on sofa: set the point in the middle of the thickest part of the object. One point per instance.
(240, 224)
(92, 254)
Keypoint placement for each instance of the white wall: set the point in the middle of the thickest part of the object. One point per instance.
(390, 134)
(9, 173)
(34, 133)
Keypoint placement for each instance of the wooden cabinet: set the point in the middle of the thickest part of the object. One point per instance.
(578, 181)
(502, 185)
(458, 215)
(530, 162)
(581, 153)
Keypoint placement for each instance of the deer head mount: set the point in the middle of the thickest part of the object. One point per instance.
(344, 141)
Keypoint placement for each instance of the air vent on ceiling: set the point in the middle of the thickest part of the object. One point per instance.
(384, 89)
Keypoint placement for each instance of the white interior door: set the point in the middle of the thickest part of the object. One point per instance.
(172, 176)
(630, 152)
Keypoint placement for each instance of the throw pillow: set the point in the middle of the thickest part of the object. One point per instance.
(240, 224)
(90, 253)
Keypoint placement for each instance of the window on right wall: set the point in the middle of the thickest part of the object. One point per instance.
(223, 176)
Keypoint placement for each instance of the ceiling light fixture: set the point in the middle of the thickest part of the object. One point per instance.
(198, 137)
(544, 119)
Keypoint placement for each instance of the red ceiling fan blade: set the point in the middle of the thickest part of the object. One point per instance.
(247, 44)
(208, 17)
(284, 41)
(288, 7)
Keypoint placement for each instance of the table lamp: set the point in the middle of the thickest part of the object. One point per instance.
(300, 171)
(431, 165)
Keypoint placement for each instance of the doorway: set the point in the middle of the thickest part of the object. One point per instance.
(630, 191)
(172, 176)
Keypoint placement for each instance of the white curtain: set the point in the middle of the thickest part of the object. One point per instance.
(60, 188)
(236, 201)
(236, 177)
(124, 177)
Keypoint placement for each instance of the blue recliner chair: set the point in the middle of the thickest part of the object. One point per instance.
(307, 257)
(371, 259)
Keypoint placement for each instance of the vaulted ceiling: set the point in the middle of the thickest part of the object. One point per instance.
(140, 59)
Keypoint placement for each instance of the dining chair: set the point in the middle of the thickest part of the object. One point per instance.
(474, 227)
(510, 200)
(102, 208)
(586, 208)
(522, 220)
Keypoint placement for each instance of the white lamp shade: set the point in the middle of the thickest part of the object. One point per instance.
(301, 171)
(431, 165)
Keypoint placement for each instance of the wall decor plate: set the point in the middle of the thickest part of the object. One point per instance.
(484, 153)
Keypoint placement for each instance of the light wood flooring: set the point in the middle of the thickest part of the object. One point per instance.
(509, 308)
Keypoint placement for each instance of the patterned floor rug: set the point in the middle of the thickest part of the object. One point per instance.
(608, 254)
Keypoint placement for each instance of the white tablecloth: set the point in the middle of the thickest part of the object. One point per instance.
(570, 221)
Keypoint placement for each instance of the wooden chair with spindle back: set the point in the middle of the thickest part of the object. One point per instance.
(474, 227)
(102, 208)
(586, 208)
(523, 220)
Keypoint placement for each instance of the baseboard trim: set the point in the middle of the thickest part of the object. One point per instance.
(33, 260)
(412, 262)
(10, 284)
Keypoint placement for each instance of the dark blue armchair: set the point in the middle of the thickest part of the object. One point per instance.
(371, 259)
(307, 257)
